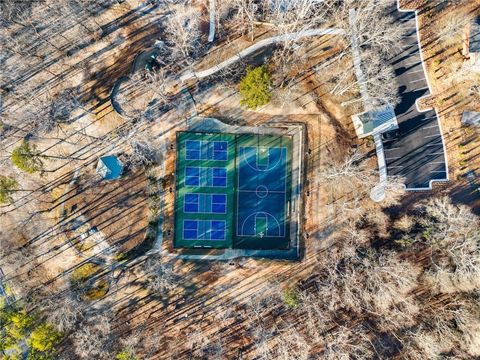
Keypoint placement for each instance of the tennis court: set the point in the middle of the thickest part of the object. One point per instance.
(204, 190)
(232, 191)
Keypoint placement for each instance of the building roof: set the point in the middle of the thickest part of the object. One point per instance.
(378, 120)
(471, 118)
(475, 36)
(109, 167)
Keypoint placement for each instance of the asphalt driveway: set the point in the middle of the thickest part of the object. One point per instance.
(417, 152)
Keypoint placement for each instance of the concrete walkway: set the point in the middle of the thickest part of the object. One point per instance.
(211, 34)
(357, 60)
(378, 192)
(252, 49)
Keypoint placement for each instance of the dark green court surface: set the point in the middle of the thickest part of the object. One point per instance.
(232, 191)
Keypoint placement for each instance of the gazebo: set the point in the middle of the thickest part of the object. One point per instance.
(109, 167)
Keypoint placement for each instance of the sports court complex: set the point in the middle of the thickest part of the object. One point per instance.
(232, 191)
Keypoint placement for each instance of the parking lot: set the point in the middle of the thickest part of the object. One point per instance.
(416, 152)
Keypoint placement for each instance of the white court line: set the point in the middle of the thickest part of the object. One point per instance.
(270, 191)
(432, 135)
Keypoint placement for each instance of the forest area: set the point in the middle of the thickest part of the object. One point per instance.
(80, 79)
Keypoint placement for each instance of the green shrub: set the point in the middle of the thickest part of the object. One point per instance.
(27, 158)
(291, 298)
(90, 289)
(85, 272)
(121, 256)
(404, 241)
(126, 354)
(44, 337)
(255, 87)
(7, 186)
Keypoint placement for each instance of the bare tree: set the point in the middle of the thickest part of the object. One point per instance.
(93, 338)
(347, 343)
(64, 310)
(352, 171)
(452, 234)
(160, 276)
(183, 31)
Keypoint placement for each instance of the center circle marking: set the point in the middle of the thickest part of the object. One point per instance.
(261, 191)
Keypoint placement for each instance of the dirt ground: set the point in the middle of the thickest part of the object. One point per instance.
(118, 209)
(210, 299)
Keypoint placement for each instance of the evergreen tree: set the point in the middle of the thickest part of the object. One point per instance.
(27, 158)
(7, 186)
(255, 87)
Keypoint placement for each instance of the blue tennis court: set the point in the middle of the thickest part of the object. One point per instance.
(205, 176)
(205, 203)
(204, 229)
(206, 150)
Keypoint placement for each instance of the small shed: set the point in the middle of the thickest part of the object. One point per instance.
(375, 121)
(109, 167)
(471, 118)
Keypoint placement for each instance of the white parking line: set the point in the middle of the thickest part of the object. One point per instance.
(436, 144)
(424, 88)
(431, 117)
(430, 126)
(415, 81)
(392, 149)
(437, 171)
(437, 153)
(432, 135)
(416, 71)
(393, 158)
(395, 166)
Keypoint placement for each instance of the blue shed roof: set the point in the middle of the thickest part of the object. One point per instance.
(109, 167)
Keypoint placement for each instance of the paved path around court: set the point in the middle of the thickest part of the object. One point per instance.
(257, 46)
(297, 131)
